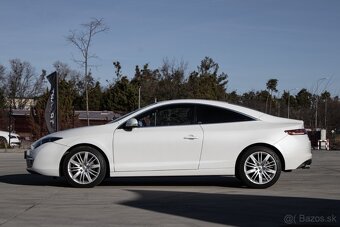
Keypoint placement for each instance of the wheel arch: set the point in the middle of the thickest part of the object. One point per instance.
(107, 174)
(4, 138)
(3, 141)
(282, 160)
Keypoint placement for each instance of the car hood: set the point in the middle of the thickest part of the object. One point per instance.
(84, 131)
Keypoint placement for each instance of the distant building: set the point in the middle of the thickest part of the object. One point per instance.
(21, 103)
(96, 117)
(21, 120)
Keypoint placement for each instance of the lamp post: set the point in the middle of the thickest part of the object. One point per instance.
(278, 103)
(139, 88)
(289, 100)
(316, 100)
(10, 123)
(326, 113)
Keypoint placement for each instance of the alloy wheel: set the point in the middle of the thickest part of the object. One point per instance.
(260, 167)
(83, 167)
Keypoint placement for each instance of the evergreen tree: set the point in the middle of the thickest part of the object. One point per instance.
(147, 80)
(2, 100)
(206, 83)
(121, 96)
(170, 84)
(95, 97)
(67, 96)
(271, 87)
(37, 117)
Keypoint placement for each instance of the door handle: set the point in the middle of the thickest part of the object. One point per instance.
(190, 137)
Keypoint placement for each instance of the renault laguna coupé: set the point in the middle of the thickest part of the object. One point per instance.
(176, 138)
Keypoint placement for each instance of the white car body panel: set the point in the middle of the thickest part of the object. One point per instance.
(295, 150)
(44, 162)
(74, 137)
(220, 149)
(15, 138)
(174, 148)
(163, 151)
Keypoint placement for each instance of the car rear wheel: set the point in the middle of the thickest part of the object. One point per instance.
(84, 167)
(259, 167)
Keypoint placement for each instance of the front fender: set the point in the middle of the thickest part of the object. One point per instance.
(104, 144)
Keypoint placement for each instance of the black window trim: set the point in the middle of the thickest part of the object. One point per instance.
(193, 105)
(224, 108)
(195, 120)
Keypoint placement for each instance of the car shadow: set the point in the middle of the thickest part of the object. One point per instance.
(239, 210)
(40, 180)
(230, 208)
(221, 181)
(33, 180)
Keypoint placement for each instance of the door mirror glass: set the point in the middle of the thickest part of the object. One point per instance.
(131, 123)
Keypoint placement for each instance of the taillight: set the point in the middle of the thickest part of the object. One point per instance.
(295, 132)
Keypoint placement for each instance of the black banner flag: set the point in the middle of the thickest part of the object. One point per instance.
(51, 111)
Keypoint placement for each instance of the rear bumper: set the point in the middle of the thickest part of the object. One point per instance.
(296, 151)
(306, 164)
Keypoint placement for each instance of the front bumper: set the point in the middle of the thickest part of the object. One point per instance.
(29, 163)
(15, 144)
(29, 160)
(45, 159)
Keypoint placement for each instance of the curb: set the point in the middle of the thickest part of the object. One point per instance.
(13, 150)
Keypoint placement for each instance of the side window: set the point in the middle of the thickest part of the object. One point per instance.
(167, 116)
(210, 114)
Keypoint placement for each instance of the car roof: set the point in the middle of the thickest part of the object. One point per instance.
(7, 133)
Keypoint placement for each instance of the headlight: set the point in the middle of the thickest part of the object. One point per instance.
(45, 140)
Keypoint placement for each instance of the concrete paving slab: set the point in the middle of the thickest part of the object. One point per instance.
(302, 197)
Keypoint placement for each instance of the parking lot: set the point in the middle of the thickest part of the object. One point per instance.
(302, 197)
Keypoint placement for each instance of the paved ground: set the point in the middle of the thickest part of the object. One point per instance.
(303, 197)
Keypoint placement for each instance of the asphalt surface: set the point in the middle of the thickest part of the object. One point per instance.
(302, 197)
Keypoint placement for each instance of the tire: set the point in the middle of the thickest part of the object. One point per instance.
(259, 167)
(84, 167)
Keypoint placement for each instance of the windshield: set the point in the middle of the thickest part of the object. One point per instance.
(121, 117)
(128, 114)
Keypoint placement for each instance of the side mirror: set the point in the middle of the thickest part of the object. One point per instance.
(131, 123)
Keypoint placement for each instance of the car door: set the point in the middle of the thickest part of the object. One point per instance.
(167, 139)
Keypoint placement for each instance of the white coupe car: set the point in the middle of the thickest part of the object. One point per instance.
(6, 137)
(176, 138)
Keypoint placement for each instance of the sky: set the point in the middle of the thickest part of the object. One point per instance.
(294, 41)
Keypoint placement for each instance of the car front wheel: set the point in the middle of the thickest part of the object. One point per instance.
(259, 167)
(84, 167)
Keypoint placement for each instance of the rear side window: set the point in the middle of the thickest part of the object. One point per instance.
(210, 115)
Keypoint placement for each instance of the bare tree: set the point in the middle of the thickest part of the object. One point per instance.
(22, 83)
(82, 40)
(66, 73)
(2, 75)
